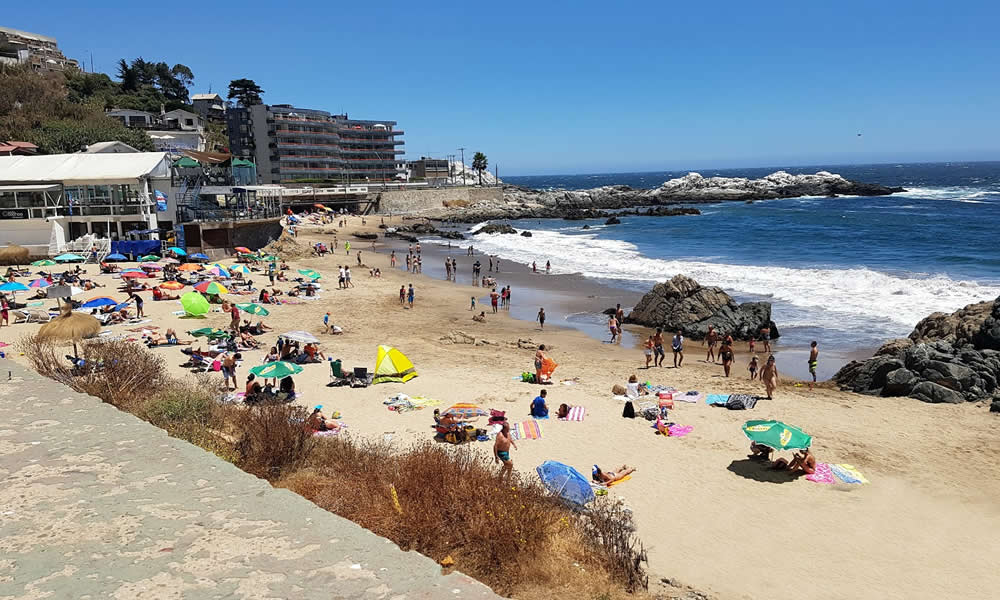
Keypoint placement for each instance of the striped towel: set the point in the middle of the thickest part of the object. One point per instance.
(823, 474)
(531, 430)
(576, 413)
(717, 399)
(848, 474)
(688, 397)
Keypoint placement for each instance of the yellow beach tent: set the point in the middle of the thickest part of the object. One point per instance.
(392, 365)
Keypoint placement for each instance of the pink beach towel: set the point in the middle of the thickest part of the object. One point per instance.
(680, 430)
(531, 430)
(823, 474)
(576, 413)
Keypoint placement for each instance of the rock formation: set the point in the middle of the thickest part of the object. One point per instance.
(495, 228)
(683, 304)
(947, 358)
(521, 202)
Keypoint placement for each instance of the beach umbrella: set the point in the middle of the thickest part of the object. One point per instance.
(243, 250)
(152, 266)
(278, 369)
(300, 336)
(98, 302)
(45, 262)
(199, 256)
(120, 306)
(209, 332)
(69, 327)
(254, 309)
(310, 274)
(169, 261)
(566, 482)
(39, 283)
(115, 257)
(218, 271)
(171, 285)
(269, 258)
(14, 286)
(211, 287)
(14, 255)
(190, 267)
(62, 291)
(467, 411)
(177, 251)
(195, 304)
(239, 269)
(134, 275)
(776, 435)
(147, 258)
(68, 257)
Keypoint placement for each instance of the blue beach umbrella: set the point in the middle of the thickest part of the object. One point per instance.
(566, 482)
(178, 251)
(115, 256)
(199, 256)
(98, 302)
(69, 257)
(13, 286)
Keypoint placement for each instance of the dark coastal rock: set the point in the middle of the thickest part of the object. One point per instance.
(947, 358)
(586, 226)
(428, 229)
(495, 228)
(366, 236)
(525, 234)
(613, 221)
(685, 305)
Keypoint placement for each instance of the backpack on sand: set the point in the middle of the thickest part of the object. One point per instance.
(629, 411)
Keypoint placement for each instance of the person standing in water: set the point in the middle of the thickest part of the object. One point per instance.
(541, 318)
(813, 362)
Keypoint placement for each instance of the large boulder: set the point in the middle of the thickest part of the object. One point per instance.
(899, 382)
(682, 304)
(932, 392)
(495, 228)
(988, 336)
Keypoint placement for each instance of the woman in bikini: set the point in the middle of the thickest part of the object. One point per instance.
(607, 477)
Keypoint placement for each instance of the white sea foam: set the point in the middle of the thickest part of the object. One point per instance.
(976, 195)
(886, 301)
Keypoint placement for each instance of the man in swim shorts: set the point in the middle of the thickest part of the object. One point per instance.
(813, 362)
(501, 450)
(658, 354)
(678, 347)
(711, 338)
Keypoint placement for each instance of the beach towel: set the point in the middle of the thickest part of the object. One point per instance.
(680, 430)
(656, 389)
(621, 398)
(614, 483)
(823, 474)
(515, 431)
(576, 413)
(531, 430)
(741, 402)
(848, 474)
(717, 399)
(688, 397)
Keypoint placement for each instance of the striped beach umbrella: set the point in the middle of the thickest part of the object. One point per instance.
(39, 283)
(172, 285)
(254, 309)
(211, 287)
(134, 275)
(467, 410)
(239, 269)
(151, 266)
(169, 261)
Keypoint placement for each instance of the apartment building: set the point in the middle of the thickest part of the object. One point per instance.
(289, 144)
(40, 52)
(173, 131)
(431, 170)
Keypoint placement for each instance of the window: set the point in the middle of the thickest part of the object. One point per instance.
(189, 122)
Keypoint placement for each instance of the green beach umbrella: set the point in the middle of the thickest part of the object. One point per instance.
(310, 273)
(43, 263)
(195, 304)
(776, 435)
(209, 332)
(149, 258)
(254, 309)
(278, 369)
(269, 258)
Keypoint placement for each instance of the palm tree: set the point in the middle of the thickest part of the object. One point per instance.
(479, 164)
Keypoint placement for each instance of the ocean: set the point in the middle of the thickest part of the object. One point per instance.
(849, 272)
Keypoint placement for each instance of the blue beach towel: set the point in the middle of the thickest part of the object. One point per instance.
(717, 399)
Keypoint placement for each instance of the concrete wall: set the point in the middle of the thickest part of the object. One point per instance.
(416, 200)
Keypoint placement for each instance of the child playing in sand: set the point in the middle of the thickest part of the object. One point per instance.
(752, 367)
(472, 305)
(647, 349)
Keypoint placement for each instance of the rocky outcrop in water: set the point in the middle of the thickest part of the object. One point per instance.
(495, 228)
(685, 305)
(521, 203)
(947, 358)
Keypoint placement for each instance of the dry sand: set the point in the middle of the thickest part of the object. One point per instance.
(927, 526)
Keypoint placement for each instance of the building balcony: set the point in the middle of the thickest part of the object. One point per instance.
(369, 142)
(360, 151)
(293, 132)
(307, 145)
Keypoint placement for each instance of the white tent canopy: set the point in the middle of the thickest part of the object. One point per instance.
(84, 168)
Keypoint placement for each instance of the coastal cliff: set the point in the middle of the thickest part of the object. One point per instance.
(947, 358)
(520, 203)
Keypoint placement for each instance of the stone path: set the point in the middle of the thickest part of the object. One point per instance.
(97, 504)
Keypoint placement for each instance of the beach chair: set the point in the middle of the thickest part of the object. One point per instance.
(336, 371)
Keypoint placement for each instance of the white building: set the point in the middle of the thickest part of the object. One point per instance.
(48, 201)
(209, 105)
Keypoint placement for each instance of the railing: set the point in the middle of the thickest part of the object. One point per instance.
(206, 213)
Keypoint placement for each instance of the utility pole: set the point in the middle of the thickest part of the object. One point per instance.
(463, 165)
(496, 173)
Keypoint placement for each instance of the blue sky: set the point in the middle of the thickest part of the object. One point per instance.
(576, 87)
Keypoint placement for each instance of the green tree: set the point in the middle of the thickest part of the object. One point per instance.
(480, 164)
(70, 135)
(246, 92)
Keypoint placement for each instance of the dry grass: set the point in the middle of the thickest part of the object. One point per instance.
(455, 203)
(438, 500)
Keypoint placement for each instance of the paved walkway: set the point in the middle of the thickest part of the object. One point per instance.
(97, 504)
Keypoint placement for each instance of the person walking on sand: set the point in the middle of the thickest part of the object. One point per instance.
(658, 353)
(347, 248)
(501, 450)
(726, 354)
(402, 295)
(539, 361)
(409, 296)
(326, 323)
(647, 350)
(541, 318)
(454, 270)
(765, 337)
(494, 299)
(359, 258)
(769, 375)
(711, 339)
(813, 362)
(753, 367)
(347, 277)
(677, 344)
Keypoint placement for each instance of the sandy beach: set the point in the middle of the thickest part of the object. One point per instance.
(922, 528)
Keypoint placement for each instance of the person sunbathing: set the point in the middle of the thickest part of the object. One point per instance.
(606, 477)
(159, 295)
(317, 421)
(447, 421)
(169, 338)
(802, 463)
(247, 340)
(759, 452)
